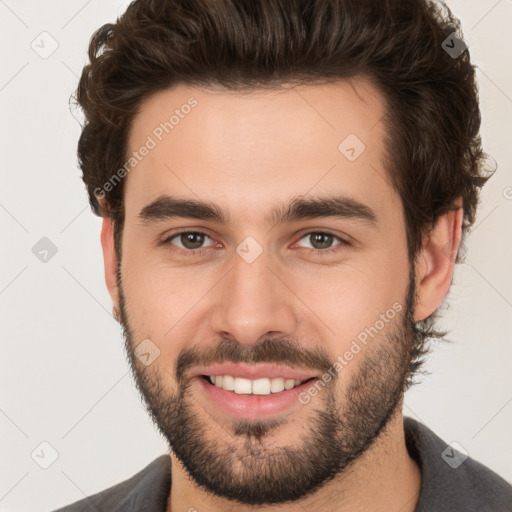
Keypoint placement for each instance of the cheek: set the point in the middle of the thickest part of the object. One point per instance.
(162, 302)
(155, 302)
(150, 300)
(352, 297)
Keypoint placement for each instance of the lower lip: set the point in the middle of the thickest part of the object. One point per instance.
(252, 406)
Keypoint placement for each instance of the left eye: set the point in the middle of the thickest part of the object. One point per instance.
(323, 240)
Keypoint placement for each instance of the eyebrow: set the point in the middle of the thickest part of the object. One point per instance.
(168, 207)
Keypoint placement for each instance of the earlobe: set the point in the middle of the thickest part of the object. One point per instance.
(436, 263)
(110, 260)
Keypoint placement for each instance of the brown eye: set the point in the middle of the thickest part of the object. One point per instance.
(321, 241)
(187, 240)
(192, 240)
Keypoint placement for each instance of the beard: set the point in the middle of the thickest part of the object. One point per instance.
(338, 430)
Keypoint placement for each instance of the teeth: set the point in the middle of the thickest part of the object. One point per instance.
(261, 387)
(242, 386)
(276, 385)
(289, 383)
(253, 387)
(228, 382)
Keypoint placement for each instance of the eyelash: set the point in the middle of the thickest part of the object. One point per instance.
(200, 252)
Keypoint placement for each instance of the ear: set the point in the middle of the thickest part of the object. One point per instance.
(436, 263)
(110, 260)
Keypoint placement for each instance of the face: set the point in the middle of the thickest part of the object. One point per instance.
(294, 272)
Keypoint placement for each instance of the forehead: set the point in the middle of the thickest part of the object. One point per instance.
(247, 151)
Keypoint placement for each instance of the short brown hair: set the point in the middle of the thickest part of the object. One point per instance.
(434, 152)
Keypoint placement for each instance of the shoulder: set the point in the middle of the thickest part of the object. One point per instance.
(451, 480)
(146, 490)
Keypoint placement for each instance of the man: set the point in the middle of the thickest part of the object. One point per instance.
(285, 186)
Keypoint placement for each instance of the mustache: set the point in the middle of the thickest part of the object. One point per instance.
(270, 350)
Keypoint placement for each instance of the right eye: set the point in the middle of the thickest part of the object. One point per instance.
(190, 241)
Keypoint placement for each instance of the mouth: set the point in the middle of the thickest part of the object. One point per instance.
(262, 386)
(248, 399)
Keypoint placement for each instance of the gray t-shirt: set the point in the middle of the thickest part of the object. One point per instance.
(450, 482)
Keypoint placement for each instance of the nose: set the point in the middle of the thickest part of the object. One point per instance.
(253, 303)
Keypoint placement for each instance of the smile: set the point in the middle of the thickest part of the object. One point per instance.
(250, 399)
(262, 386)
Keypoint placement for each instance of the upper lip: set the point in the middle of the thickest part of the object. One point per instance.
(254, 371)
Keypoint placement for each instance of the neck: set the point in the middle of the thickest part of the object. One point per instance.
(383, 478)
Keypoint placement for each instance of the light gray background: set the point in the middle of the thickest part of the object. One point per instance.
(64, 378)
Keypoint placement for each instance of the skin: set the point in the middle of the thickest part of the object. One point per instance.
(246, 153)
